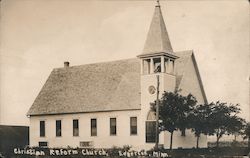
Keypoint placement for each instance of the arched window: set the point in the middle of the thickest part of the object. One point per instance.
(150, 127)
(151, 116)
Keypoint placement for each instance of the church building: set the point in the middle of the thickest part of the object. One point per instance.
(107, 104)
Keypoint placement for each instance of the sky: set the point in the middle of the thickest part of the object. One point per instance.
(37, 36)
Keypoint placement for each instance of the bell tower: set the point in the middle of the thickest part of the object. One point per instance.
(157, 55)
(157, 59)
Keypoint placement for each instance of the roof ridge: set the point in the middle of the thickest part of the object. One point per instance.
(102, 62)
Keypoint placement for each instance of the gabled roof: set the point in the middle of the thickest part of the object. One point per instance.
(94, 87)
(157, 38)
(181, 66)
(108, 86)
(199, 79)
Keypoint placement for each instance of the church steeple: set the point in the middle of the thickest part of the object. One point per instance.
(157, 55)
(157, 39)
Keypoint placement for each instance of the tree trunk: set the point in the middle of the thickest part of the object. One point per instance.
(171, 140)
(183, 132)
(197, 141)
(217, 140)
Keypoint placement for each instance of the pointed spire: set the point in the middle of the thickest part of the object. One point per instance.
(157, 39)
(158, 2)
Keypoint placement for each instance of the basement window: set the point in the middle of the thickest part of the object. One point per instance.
(86, 144)
(43, 144)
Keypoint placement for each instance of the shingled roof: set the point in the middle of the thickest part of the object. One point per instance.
(180, 64)
(108, 86)
(93, 87)
(157, 38)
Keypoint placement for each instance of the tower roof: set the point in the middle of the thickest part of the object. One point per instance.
(157, 39)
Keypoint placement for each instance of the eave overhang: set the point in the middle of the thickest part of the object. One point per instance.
(156, 54)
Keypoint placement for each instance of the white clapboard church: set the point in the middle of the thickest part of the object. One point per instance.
(107, 104)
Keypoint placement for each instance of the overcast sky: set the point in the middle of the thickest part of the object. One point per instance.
(39, 35)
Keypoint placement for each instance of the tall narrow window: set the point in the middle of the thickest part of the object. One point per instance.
(133, 125)
(75, 128)
(112, 126)
(93, 127)
(42, 128)
(58, 128)
(150, 131)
